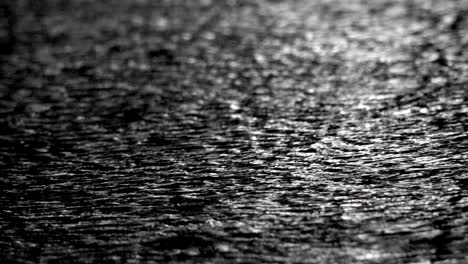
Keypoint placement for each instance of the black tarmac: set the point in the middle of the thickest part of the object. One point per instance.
(223, 131)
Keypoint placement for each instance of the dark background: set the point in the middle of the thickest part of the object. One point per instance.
(234, 131)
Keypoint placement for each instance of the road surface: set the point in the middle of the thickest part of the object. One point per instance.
(208, 131)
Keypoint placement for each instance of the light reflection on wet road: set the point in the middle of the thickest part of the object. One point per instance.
(238, 131)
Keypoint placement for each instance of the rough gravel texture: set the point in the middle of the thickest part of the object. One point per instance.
(209, 131)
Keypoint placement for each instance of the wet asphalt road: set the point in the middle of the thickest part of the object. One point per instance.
(208, 131)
